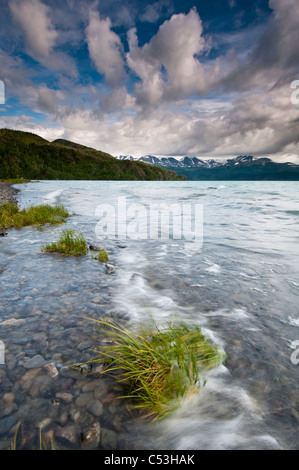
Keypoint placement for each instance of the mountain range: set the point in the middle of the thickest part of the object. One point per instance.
(243, 167)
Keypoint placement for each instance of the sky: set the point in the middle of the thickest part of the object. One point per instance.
(212, 79)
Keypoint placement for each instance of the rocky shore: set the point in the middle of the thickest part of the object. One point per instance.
(7, 193)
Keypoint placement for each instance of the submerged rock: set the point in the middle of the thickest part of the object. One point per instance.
(91, 437)
(69, 434)
(35, 362)
(51, 369)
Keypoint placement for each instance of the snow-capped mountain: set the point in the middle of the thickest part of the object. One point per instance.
(244, 167)
(194, 162)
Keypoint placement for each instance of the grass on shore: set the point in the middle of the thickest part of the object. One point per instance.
(70, 243)
(15, 181)
(12, 217)
(160, 366)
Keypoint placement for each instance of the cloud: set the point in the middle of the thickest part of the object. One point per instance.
(40, 35)
(154, 11)
(33, 17)
(168, 66)
(42, 99)
(274, 57)
(105, 48)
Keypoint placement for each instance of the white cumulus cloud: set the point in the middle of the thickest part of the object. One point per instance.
(105, 48)
(33, 17)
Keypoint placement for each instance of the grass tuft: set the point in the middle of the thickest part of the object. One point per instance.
(69, 243)
(12, 217)
(102, 255)
(160, 366)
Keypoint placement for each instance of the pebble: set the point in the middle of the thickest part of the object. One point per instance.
(95, 407)
(108, 438)
(51, 369)
(13, 322)
(6, 424)
(65, 397)
(91, 437)
(35, 362)
(8, 397)
(84, 399)
(69, 433)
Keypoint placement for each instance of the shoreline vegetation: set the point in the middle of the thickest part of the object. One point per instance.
(12, 217)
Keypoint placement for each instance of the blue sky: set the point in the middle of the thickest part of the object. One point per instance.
(202, 78)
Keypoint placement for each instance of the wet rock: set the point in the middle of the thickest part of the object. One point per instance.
(109, 268)
(51, 370)
(90, 438)
(95, 407)
(100, 390)
(8, 410)
(62, 419)
(8, 397)
(13, 322)
(65, 397)
(75, 415)
(84, 399)
(108, 398)
(95, 247)
(6, 424)
(89, 386)
(66, 384)
(108, 438)
(27, 379)
(69, 434)
(35, 362)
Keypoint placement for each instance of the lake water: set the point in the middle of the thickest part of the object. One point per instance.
(238, 278)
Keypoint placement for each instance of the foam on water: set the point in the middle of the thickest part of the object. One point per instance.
(53, 196)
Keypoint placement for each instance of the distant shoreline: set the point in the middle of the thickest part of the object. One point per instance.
(7, 193)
